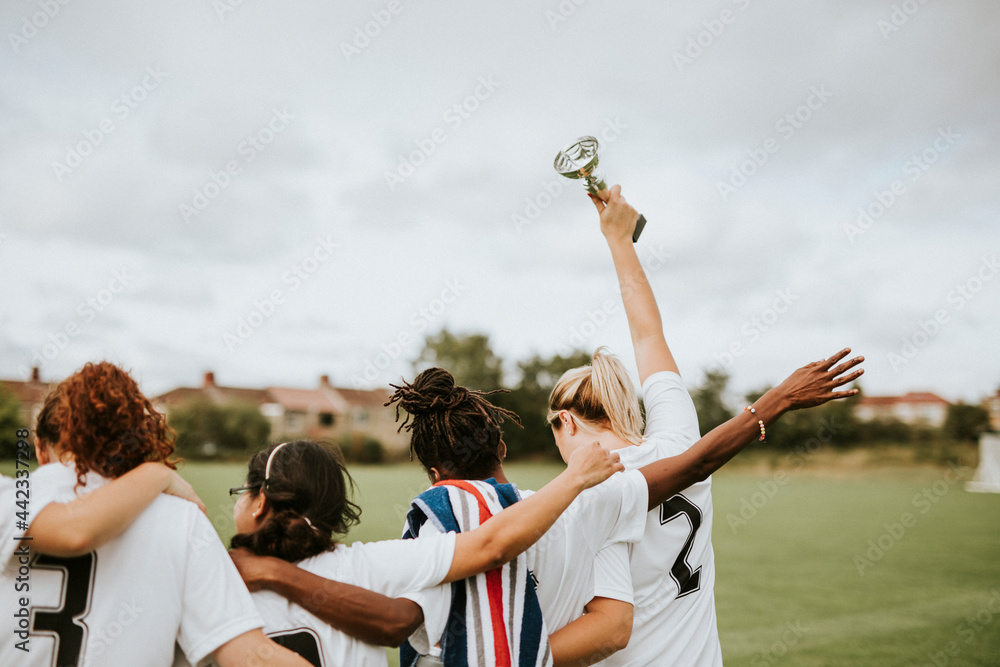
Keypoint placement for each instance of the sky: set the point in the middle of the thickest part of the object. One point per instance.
(274, 191)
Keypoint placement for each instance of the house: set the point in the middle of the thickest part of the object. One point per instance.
(915, 408)
(324, 412)
(31, 393)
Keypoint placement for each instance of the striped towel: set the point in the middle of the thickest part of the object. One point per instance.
(495, 619)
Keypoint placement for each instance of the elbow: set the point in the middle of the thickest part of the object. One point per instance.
(73, 543)
(402, 624)
(620, 636)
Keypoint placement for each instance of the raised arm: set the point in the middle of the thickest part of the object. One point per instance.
(618, 220)
(78, 527)
(809, 386)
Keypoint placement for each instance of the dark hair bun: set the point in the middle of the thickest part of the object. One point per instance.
(433, 390)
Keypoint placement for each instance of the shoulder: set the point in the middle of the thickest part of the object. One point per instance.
(662, 379)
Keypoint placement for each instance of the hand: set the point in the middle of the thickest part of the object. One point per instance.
(255, 570)
(814, 383)
(177, 486)
(618, 218)
(594, 464)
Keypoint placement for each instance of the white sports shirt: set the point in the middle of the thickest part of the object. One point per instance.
(394, 568)
(165, 583)
(673, 567)
(562, 561)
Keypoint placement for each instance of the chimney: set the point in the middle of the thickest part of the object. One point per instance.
(36, 374)
(324, 380)
(209, 380)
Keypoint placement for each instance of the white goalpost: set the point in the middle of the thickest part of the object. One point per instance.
(987, 477)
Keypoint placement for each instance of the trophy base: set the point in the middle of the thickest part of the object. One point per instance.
(639, 225)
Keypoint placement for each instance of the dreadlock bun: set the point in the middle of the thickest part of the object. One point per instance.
(452, 428)
(433, 390)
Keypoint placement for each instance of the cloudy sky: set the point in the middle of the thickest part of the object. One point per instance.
(277, 190)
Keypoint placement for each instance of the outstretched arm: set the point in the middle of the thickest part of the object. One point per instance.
(809, 386)
(618, 220)
(513, 530)
(384, 621)
(85, 523)
(368, 616)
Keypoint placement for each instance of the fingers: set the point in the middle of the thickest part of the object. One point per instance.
(828, 363)
(600, 205)
(847, 365)
(849, 378)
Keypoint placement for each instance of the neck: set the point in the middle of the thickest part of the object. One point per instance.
(497, 473)
(610, 441)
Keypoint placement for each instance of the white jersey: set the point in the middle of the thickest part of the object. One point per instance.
(673, 567)
(394, 568)
(8, 525)
(562, 561)
(165, 583)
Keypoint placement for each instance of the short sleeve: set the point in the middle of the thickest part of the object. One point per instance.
(7, 528)
(400, 565)
(612, 574)
(615, 510)
(669, 409)
(217, 606)
(435, 603)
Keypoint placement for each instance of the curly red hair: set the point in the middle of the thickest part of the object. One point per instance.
(100, 416)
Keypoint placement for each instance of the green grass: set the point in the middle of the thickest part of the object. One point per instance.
(792, 563)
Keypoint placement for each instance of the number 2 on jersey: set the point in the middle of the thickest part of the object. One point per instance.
(688, 580)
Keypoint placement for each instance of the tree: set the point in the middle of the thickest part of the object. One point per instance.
(709, 400)
(205, 429)
(966, 422)
(10, 422)
(468, 357)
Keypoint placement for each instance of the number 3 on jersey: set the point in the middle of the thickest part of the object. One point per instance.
(688, 580)
(65, 622)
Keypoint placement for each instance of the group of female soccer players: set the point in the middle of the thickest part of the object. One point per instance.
(610, 562)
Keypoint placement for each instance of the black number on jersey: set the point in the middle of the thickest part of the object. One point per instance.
(688, 580)
(302, 641)
(65, 622)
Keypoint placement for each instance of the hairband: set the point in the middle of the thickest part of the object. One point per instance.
(267, 467)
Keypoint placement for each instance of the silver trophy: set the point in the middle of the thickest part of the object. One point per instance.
(579, 160)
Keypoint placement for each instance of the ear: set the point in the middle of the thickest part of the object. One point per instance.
(567, 421)
(502, 450)
(434, 475)
(258, 507)
(42, 453)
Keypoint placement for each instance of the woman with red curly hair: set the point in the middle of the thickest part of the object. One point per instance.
(163, 584)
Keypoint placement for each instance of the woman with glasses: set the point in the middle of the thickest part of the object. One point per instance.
(132, 594)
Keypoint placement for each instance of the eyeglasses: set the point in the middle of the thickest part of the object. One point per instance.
(238, 490)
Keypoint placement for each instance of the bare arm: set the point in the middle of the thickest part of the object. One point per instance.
(368, 616)
(513, 530)
(618, 220)
(604, 630)
(85, 523)
(809, 386)
(254, 648)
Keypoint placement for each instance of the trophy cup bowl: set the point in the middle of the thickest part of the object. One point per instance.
(579, 160)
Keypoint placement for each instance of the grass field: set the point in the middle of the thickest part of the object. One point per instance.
(872, 567)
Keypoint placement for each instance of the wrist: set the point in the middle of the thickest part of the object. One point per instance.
(772, 405)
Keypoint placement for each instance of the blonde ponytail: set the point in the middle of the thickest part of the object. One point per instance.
(600, 395)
